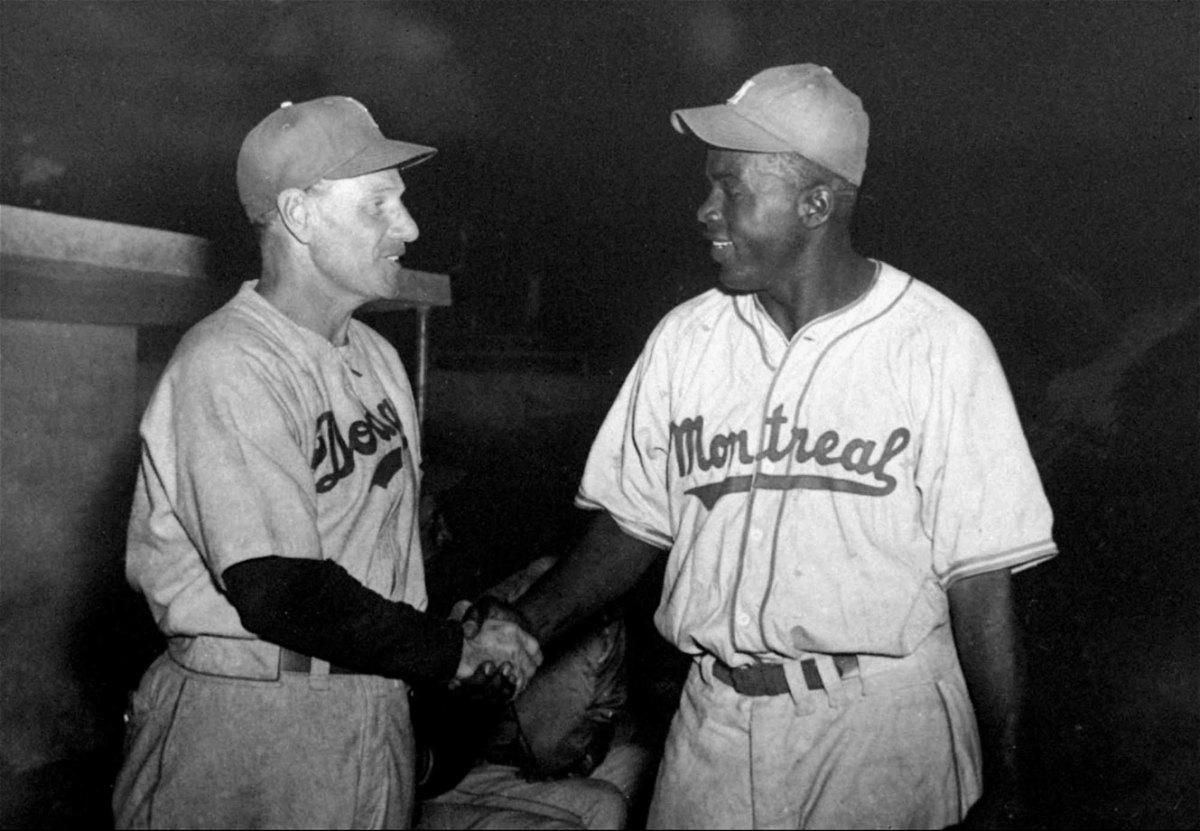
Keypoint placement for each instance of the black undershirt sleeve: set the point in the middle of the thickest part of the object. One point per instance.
(316, 608)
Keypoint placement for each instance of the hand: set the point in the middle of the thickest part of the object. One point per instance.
(472, 615)
(498, 657)
(493, 608)
(488, 682)
(487, 685)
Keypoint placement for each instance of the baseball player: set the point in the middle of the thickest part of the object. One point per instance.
(829, 454)
(273, 530)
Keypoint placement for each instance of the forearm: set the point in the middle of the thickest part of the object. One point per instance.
(990, 650)
(316, 608)
(603, 567)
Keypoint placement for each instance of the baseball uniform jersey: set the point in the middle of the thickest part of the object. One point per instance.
(819, 494)
(263, 439)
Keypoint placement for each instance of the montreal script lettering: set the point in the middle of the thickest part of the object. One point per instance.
(694, 451)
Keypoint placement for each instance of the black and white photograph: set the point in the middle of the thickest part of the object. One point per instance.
(599, 414)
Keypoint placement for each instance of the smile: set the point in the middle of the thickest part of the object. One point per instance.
(722, 251)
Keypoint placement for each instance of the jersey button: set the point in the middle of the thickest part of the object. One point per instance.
(743, 619)
(756, 534)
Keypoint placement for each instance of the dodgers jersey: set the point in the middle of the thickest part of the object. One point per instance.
(818, 494)
(264, 439)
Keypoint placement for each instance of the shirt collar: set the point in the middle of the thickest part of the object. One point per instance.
(887, 285)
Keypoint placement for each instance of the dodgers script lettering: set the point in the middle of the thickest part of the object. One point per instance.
(362, 438)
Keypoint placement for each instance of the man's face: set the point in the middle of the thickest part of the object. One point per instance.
(751, 217)
(362, 233)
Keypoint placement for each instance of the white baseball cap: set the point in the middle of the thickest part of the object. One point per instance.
(800, 108)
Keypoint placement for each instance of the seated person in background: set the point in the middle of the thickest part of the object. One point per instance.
(560, 756)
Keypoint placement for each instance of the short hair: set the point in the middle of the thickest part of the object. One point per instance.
(803, 173)
(263, 224)
(319, 187)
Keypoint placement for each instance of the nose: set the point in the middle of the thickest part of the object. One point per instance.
(404, 226)
(709, 211)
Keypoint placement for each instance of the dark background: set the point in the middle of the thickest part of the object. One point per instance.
(1037, 162)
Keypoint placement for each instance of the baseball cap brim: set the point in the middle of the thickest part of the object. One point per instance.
(721, 126)
(380, 155)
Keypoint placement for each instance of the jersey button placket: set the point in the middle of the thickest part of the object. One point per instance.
(744, 638)
(755, 587)
(749, 635)
(350, 384)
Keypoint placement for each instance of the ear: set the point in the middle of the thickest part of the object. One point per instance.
(816, 205)
(297, 212)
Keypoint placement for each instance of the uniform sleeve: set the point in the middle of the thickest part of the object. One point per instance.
(626, 471)
(983, 503)
(244, 488)
(316, 608)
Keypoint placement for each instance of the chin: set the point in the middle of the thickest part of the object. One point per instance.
(732, 281)
(391, 285)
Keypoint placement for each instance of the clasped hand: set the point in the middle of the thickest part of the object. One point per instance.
(498, 656)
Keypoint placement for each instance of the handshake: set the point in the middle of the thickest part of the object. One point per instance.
(499, 656)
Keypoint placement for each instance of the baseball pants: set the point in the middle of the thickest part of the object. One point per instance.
(893, 747)
(305, 751)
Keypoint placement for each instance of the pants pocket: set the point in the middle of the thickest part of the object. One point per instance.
(964, 733)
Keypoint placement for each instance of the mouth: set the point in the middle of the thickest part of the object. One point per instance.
(721, 249)
(394, 258)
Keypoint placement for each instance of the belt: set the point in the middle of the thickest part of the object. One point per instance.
(290, 661)
(770, 679)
